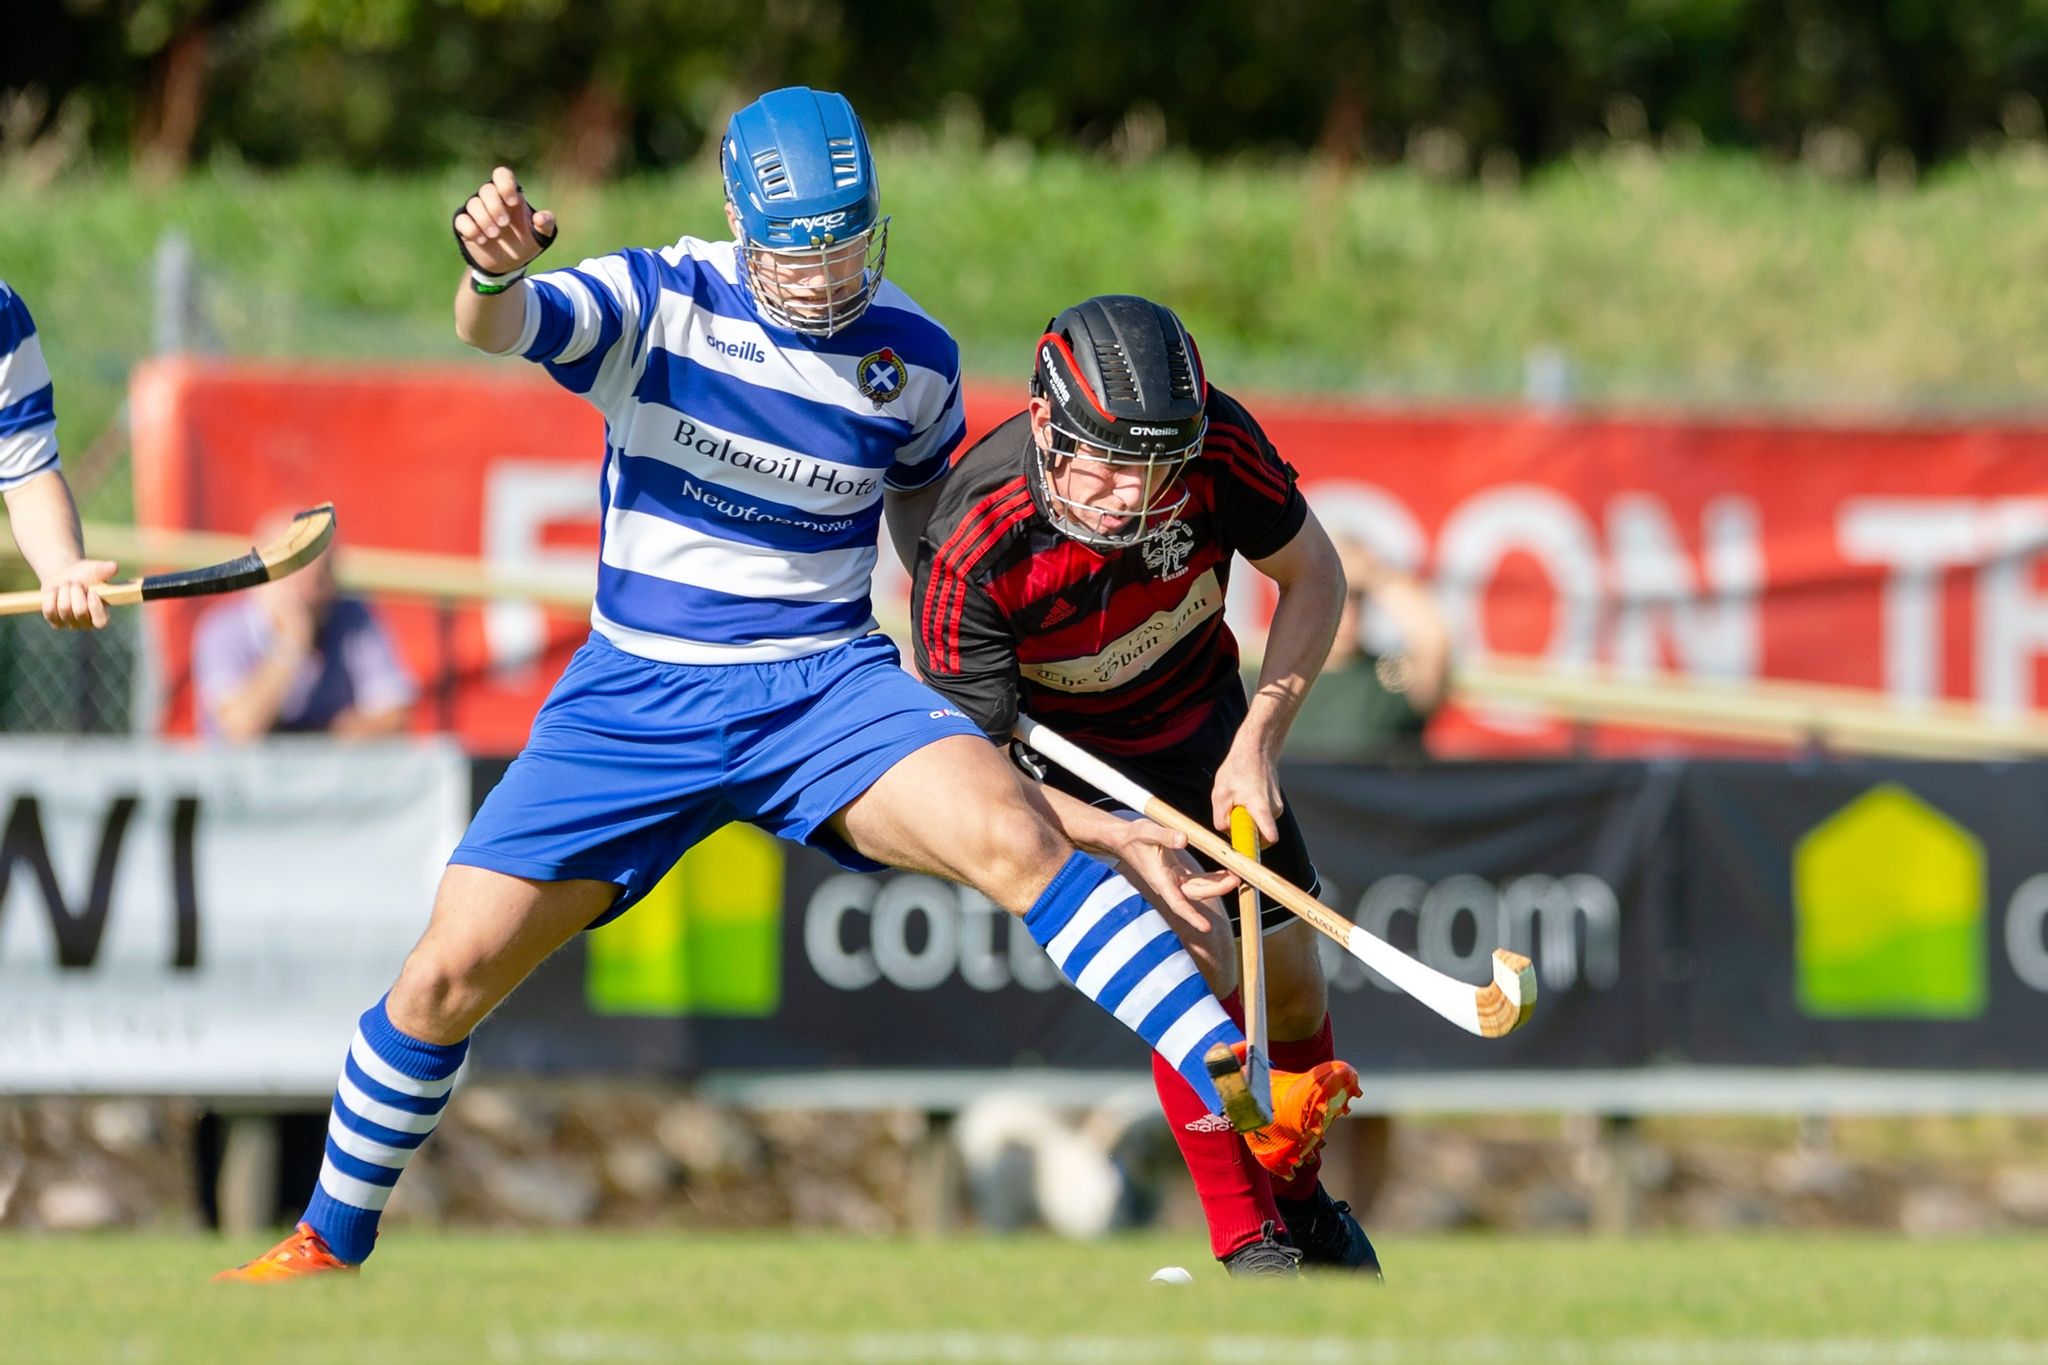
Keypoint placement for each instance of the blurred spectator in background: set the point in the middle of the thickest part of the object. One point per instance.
(296, 656)
(1374, 698)
(40, 510)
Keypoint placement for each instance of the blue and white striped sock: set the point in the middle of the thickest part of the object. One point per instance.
(392, 1090)
(1119, 952)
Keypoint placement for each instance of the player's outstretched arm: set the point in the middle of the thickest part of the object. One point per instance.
(499, 234)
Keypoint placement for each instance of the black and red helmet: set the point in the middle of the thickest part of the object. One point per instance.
(1125, 384)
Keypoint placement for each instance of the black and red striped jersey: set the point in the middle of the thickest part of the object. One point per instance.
(1123, 650)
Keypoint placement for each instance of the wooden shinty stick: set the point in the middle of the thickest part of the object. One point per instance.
(1251, 964)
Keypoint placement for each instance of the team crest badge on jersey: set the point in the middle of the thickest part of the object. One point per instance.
(881, 376)
(1166, 553)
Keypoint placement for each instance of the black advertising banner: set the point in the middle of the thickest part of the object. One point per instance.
(905, 972)
(1867, 914)
(1564, 864)
(1883, 915)
(1880, 915)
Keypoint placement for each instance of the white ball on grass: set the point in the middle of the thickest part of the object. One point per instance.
(1172, 1274)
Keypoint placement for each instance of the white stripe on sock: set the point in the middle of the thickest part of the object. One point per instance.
(385, 1074)
(1116, 953)
(1190, 1029)
(366, 1149)
(360, 1194)
(1155, 987)
(362, 1106)
(1100, 902)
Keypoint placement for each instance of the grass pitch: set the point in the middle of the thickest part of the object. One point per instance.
(815, 1300)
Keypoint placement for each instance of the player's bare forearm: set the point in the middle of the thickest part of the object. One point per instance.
(500, 234)
(1089, 828)
(1311, 582)
(490, 322)
(1310, 578)
(45, 522)
(1293, 660)
(1154, 859)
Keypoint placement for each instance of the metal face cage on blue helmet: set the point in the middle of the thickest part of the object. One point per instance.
(801, 184)
(1126, 389)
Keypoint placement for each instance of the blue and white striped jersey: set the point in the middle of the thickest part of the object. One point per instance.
(28, 411)
(744, 463)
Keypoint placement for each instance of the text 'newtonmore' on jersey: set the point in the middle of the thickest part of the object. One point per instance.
(745, 464)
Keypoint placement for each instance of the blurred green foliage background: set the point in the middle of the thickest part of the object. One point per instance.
(1707, 280)
(1461, 86)
(1808, 203)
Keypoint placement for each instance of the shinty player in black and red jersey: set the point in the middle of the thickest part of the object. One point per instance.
(1075, 569)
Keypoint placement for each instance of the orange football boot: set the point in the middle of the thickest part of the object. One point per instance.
(1305, 1103)
(302, 1253)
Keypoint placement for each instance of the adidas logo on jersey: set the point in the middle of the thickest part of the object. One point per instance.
(1059, 611)
(1210, 1123)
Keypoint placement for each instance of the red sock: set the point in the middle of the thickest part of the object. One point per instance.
(1302, 1054)
(1236, 1193)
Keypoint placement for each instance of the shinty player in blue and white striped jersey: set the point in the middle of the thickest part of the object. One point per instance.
(765, 398)
(40, 509)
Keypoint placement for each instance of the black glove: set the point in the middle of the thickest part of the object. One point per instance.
(546, 239)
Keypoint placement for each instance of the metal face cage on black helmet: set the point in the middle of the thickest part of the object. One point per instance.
(1126, 389)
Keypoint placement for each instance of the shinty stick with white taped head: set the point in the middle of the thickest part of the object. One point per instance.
(1490, 1011)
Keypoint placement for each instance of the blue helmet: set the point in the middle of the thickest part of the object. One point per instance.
(801, 182)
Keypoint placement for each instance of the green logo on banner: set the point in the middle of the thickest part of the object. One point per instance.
(706, 940)
(1888, 901)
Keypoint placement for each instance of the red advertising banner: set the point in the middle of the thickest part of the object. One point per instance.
(1904, 558)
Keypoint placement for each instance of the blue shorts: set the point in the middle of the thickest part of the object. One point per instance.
(632, 761)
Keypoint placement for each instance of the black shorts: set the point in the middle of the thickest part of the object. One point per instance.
(1183, 777)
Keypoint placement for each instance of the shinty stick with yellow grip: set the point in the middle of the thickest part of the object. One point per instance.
(1251, 965)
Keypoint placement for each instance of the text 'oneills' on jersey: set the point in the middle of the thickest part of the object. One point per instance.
(745, 462)
(1009, 613)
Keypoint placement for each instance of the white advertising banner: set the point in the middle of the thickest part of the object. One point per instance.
(209, 921)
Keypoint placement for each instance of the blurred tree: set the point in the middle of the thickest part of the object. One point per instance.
(1455, 85)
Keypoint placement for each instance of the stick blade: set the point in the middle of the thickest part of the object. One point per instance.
(303, 541)
(1507, 1004)
(1241, 1104)
(301, 544)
